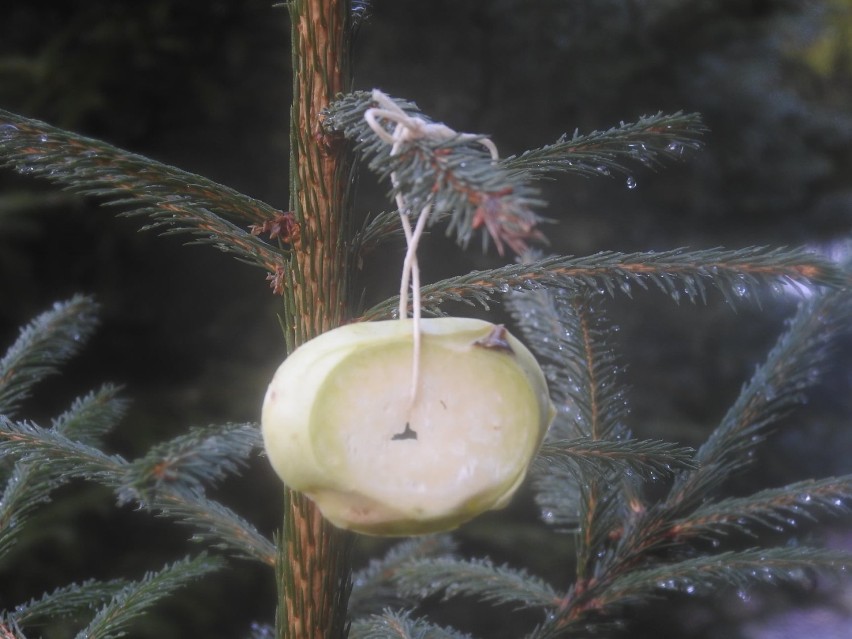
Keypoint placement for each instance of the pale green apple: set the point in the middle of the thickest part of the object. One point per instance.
(339, 425)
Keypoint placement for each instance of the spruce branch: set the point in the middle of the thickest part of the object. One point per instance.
(699, 576)
(375, 230)
(650, 141)
(568, 332)
(400, 625)
(72, 600)
(261, 631)
(678, 273)
(92, 416)
(560, 328)
(28, 485)
(464, 182)
(53, 453)
(552, 327)
(135, 598)
(345, 114)
(648, 459)
(177, 201)
(778, 509)
(360, 10)
(374, 587)
(558, 495)
(192, 461)
(733, 569)
(42, 346)
(566, 329)
(10, 630)
(214, 523)
(170, 480)
(37, 473)
(432, 164)
(605, 506)
(478, 578)
(793, 366)
(23, 491)
(644, 532)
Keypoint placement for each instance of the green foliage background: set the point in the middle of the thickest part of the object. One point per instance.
(191, 334)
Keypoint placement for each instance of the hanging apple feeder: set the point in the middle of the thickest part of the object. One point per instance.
(341, 425)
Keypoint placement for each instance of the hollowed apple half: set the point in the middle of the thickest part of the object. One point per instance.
(339, 424)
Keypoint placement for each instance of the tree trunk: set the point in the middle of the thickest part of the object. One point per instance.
(313, 570)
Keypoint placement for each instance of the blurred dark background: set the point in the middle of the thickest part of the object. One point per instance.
(192, 334)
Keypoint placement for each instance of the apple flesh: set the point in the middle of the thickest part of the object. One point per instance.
(339, 424)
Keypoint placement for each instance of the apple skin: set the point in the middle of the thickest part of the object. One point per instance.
(339, 425)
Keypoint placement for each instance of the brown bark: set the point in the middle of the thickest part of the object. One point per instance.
(320, 171)
(313, 556)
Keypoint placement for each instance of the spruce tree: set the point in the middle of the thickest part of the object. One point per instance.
(629, 545)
